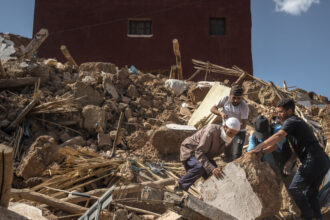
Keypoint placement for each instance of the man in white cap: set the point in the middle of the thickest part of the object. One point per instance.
(197, 151)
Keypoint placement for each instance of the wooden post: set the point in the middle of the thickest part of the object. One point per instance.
(117, 134)
(177, 54)
(35, 43)
(285, 86)
(2, 71)
(6, 174)
(173, 72)
(68, 56)
(207, 70)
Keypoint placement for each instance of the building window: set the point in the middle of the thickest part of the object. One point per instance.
(217, 26)
(139, 27)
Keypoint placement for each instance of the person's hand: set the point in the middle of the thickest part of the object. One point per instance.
(217, 172)
(287, 169)
(223, 115)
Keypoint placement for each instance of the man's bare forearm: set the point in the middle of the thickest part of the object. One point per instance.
(215, 110)
(271, 141)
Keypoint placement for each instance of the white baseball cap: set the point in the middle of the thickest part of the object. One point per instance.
(233, 123)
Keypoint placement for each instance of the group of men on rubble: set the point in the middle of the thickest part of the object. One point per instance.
(282, 142)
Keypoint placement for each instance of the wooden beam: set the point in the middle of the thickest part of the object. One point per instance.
(44, 199)
(177, 54)
(35, 43)
(68, 56)
(6, 174)
(114, 146)
(19, 82)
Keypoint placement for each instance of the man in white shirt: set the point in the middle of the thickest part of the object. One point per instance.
(234, 106)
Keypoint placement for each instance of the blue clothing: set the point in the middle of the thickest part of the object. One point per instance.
(252, 143)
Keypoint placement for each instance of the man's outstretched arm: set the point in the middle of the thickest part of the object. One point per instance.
(270, 144)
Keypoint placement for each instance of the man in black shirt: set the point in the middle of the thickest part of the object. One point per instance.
(315, 163)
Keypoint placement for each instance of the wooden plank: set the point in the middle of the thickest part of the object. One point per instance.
(6, 174)
(35, 43)
(44, 199)
(213, 96)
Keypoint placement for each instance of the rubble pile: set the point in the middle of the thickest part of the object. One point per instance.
(95, 126)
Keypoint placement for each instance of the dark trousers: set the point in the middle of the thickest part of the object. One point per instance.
(194, 170)
(306, 183)
(234, 151)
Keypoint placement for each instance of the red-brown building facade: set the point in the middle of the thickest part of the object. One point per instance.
(140, 32)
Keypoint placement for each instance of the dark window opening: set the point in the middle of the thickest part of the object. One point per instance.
(217, 26)
(142, 27)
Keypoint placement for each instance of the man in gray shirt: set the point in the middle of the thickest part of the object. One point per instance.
(234, 106)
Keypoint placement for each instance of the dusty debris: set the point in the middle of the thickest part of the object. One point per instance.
(98, 67)
(40, 155)
(94, 118)
(88, 95)
(197, 93)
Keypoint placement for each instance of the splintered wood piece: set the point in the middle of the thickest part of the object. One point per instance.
(121, 117)
(68, 56)
(6, 174)
(35, 43)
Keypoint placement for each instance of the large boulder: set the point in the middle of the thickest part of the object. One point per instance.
(249, 189)
(168, 141)
(42, 153)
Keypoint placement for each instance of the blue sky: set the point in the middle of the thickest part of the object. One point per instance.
(290, 39)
